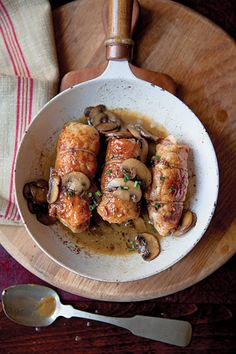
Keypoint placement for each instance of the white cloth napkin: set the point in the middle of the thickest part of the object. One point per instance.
(28, 79)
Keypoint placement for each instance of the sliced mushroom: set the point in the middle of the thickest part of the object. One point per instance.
(147, 245)
(122, 194)
(102, 119)
(121, 134)
(135, 168)
(146, 134)
(143, 142)
(53, 191)
(26, 191)
(45, 219)
(39, 194)
(135, 193)
(36, 191)
(188, 220)
(76, 182)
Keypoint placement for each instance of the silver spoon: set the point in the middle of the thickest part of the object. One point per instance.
(39, 306)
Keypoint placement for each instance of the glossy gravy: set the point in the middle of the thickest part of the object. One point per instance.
(113, 239)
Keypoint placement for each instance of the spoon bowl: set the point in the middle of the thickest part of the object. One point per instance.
(31, 305)
(39, 306)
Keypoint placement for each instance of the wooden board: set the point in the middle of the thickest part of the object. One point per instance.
(202, 59)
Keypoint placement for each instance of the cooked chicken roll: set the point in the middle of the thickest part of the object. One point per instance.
(122, 180)
(70, 181)
(168, 190)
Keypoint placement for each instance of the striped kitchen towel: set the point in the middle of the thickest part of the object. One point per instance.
(28, 79)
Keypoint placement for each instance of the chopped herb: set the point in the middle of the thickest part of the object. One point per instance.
(158, 157)
(107, 172)
(131, 250)
(137, 184)
(92, 206)
(121, 187)
(157, 206)
(126, 187)
(98, 194)
(131, 243)
(69, 193)
(126, 178)
(171, 189)
(90, 194)
(162, 178)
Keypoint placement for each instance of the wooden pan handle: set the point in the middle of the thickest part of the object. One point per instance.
(134, 19)
(118, 43)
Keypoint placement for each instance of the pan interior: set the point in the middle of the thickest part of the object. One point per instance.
(146, 99)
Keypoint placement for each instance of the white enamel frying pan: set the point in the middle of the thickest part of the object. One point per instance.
(117, 87)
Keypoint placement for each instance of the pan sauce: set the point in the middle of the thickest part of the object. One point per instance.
(102, 237)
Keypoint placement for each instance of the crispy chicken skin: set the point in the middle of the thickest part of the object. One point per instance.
(168, 190)
(112, 209)
(77, 148)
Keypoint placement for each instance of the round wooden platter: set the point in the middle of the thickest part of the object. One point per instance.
(202, 59)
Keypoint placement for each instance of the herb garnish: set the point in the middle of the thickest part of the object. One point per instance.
(162, 178)
(157, 206)
(107, 172)
(171, 189)
(92, 206)
(69, 193)
(137, 184)
(98, 193)
(126, 187)
(158, 157)
(126, 178)
(90, 194)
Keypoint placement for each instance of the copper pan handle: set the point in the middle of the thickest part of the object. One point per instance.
(119, 45)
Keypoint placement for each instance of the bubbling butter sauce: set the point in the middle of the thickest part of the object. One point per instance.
(104, 238)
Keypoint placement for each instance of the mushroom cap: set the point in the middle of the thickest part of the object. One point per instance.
(144, 145)
(134, 167)
(76, 182)
(53, 183)
(102, 119)
(147, 245)
(135, 193)
(188, 220)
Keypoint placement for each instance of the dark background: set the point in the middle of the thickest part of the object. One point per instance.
(209, 305)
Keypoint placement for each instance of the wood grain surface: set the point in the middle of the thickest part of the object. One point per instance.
(201, 59)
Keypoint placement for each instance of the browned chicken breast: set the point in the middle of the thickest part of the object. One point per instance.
(168, 190)
(120, 200)
(75, 165)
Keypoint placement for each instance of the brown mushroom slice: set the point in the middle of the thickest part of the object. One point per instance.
(102, 119)
(122, 194)
(76, 182)
(26, 191)
(188, 220)
(135, 168)
(42, 183)
(147, 245)
(45, 219)
(143, 142)
(134, 191)
(105, 128)
(146, 134)
(121, 134)
(39, 195)
(53, 190)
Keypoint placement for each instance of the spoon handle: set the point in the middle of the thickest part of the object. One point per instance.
(161, 329)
